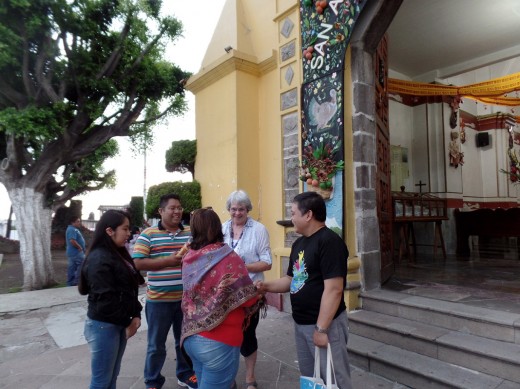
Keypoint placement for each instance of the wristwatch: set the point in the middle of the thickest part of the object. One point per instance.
(321, 330)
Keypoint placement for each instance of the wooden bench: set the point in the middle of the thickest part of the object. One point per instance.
(485, 222)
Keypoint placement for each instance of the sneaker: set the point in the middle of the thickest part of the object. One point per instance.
(190, 382)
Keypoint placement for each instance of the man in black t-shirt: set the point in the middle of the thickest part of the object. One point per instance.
(316, 279)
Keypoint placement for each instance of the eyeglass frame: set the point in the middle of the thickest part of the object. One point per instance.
(174, 209)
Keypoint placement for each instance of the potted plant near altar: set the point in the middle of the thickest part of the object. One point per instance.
(319, 167)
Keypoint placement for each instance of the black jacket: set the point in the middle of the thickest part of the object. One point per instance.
(112, 288)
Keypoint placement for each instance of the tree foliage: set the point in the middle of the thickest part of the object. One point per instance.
(136, 211)
(181, 157)
(189, 192)
(63, 214)
(75, 74)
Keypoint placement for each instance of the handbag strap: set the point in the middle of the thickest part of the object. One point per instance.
(330, 366)
(317, 373)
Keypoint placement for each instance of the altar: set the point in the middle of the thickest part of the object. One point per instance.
(409, 208)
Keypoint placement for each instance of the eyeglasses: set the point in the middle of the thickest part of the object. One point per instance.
(235, 210)
(200, 210)
(178, 209)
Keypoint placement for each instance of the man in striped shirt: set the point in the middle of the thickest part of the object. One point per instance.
(155, 251)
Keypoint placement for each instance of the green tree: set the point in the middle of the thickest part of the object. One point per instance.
(181, 157)
(189, 192)
(74, 75)
(136, 211)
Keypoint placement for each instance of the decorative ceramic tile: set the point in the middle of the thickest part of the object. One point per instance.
(290, 126)
(287, 27)
(287, 51)
(289, 99)
(289, 74)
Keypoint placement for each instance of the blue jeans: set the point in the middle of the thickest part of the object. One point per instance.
(73, 269)
(107, 343)
(161, 316)
(215, 363)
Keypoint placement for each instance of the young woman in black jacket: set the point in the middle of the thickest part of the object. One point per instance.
(110, 279)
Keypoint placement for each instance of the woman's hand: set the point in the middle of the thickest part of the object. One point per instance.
(133, 327)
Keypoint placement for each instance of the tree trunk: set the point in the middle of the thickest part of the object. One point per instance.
(33, 222)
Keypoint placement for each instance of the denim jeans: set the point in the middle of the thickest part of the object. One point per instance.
(107, 343)
(215, 363)
(73, 269)
(161, 316)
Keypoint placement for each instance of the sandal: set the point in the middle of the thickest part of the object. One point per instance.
(253, 384)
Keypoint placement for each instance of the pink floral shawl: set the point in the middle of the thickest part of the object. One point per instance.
(215, 282)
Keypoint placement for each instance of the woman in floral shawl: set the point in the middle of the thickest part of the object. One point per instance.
(217, 301)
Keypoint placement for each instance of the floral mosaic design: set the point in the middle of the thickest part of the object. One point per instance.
(325, 35)
(322, 107)
(326, 28)
(322, 133)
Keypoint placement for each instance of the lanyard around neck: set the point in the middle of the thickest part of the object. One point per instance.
(232, 234)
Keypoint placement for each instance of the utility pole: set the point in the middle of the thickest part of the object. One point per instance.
(144, 186)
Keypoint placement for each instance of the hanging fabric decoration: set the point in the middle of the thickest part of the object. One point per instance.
(488, 92)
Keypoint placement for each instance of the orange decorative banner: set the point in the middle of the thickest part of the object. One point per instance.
(489, 92)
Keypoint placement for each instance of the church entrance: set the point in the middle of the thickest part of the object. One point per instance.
(489, 274)
(488, 277)
(492, 265)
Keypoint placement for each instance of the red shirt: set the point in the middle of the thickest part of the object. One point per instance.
(230, 330)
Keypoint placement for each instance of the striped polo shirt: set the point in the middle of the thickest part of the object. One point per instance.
(154, 242)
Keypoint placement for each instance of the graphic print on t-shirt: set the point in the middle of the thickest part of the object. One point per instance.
(299, 273)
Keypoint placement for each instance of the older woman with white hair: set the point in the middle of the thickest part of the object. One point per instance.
(250, 240)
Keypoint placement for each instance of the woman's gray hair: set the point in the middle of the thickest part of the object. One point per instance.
(239, 197)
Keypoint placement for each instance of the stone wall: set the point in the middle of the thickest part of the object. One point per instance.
(8, 246)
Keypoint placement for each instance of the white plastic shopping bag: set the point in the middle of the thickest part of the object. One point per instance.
(315, 382)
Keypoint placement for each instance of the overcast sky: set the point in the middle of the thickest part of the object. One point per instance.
(199, 20)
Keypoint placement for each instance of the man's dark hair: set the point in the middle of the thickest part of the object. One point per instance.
(73, 218)
(163, 201)
(311, 201)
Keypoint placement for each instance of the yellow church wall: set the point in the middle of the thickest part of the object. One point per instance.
(270, 184)
(248, 177)
(259, 157)
(216, 134)
(257, 30)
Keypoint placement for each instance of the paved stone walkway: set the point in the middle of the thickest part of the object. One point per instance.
(42, 346)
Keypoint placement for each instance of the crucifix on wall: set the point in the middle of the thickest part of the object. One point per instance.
(420, 185)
